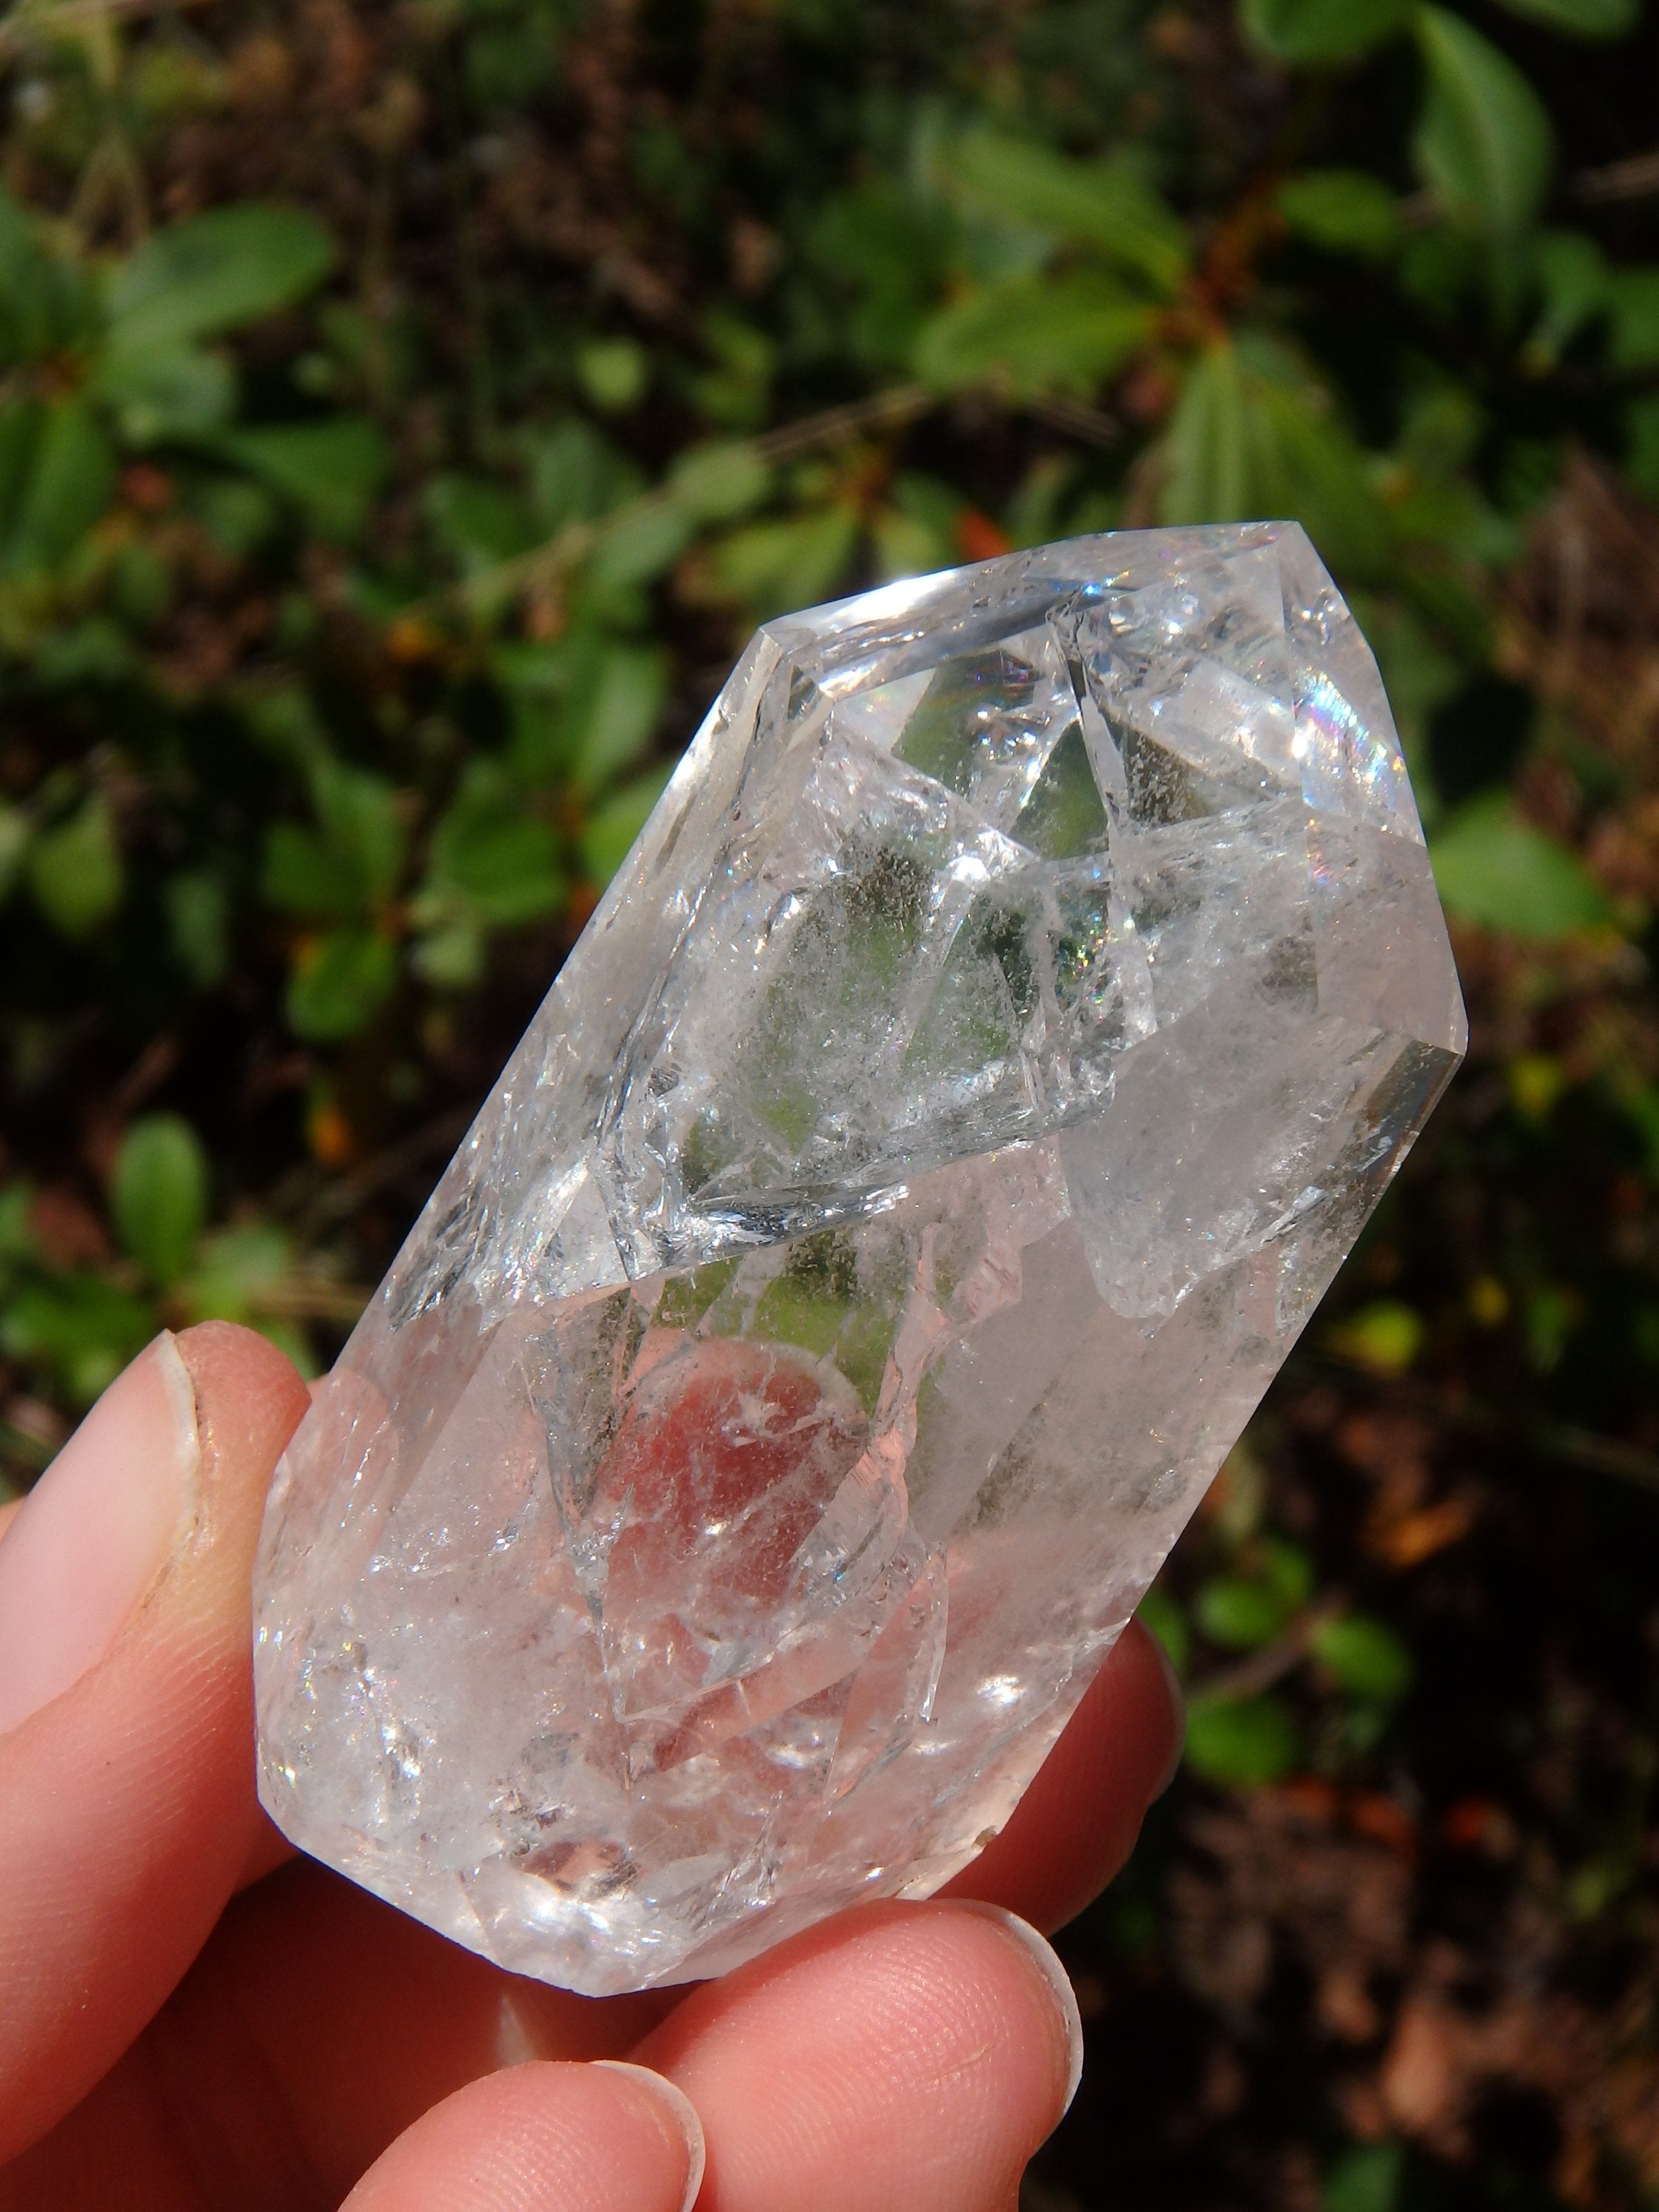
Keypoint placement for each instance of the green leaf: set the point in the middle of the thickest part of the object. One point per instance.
(1484, 144)
(44, 303)
(737, 393)
(363, 822)
(340, 982)
(613, 373)
(16, 1237)
(450, 956)
(1206, 449)
(1304, 464)
(81, 1326)
(1572, 278)
(1288, 1570)
(20, 443)
(14, 843)
(1253, 435)
(719, 481)
(1036, 334)
(918, 530)
(284, 720)
(1494, 868)
(303, 875)
(1159, 1612)
(357, 859)
(499, 863)
(1385, 1337)
(159, 1195)
(69, 477)
(1580, 19)
(1343, 211)
(198, 916)
(1365, 2179)
(1365, 1656)
(74, 869)
(1633, 301)
(238, 516)
(576, 476)
(332, 470)
(236, 1272)
(213, 272)
(621, 715)
(1642, 445)
(777, 566)
(612, 828)
(1104, 205)
(481, 523)
(884, 248)
(1242, 1740)
(1240, 1615)
(99, 650)
(640, 542)
(1321, 30)
(167, 391)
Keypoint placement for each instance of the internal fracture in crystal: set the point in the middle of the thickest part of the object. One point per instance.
(973, 1079)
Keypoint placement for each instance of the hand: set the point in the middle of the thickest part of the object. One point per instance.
(184, 2028)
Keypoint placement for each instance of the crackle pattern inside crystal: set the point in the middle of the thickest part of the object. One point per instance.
(1020, 997)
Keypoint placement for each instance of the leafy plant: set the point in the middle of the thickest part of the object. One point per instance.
(395, 449)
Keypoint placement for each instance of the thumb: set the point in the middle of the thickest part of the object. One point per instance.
(127, 1768)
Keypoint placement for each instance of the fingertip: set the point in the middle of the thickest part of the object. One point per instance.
(1037, 1952)
(910, 2055)
(548, 2137)
(674, 2111)
(249, 1395)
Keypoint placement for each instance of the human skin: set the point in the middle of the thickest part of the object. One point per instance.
(193, 2019)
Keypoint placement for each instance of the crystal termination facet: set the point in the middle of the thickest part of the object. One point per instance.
(975, 1076)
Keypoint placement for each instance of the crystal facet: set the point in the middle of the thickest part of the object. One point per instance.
(971, 1081)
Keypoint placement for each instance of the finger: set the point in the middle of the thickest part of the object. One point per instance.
(359, 2017)
(320, 2024)
(545, 2138)
(902, 2058)
(1078, 1819)
(126, 1786)
(316, 2026)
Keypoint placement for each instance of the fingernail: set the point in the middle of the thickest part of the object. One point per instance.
(682, 2113)
(96, 1530)
(1177, 1714)
(1046, 1959)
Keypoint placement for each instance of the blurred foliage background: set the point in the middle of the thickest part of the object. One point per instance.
(406, 406)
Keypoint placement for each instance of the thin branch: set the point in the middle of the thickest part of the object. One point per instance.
(1248, 1678)
(1560, 1442)
(1074, 418)
(314, 1297)
(893, 409)
(1636, 178)
(1600, 1455)
(340, 1198)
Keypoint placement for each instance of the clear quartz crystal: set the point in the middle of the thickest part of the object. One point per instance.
(972, 1080)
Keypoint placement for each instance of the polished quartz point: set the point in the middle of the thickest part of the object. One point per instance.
(967, 1087)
